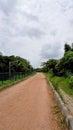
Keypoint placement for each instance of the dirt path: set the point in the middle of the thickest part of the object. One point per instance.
(28, 106)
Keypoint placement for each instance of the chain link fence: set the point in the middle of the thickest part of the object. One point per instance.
(7, 79)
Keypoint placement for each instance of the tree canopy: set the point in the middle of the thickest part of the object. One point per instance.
(63, 66)
(67, 47)
(16, 63)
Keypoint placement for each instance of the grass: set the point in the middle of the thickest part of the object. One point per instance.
(59, 118)
(60, 82)
(12, 81)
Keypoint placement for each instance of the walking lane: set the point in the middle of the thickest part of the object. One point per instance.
(28, 106)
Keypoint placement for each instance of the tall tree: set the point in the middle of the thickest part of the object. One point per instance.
(67, 47)
(17, 64)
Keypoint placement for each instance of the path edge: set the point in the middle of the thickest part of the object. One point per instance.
(64, 109)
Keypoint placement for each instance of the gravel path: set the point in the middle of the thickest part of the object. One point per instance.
(28, 106)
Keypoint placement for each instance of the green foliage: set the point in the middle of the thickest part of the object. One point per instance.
(71, 82)
(16, 79)
(67, 47)
(17, 64)
(49, 65)
(63, 66)
(61, 82)
(55, 80)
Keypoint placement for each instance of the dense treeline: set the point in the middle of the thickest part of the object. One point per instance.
(15, 64)
(63, 66)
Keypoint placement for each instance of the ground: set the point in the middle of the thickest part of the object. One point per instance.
(68, 101)
(28, 106)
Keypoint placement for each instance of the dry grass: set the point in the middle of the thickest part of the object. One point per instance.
(59, 118)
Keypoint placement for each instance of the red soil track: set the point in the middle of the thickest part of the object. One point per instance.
(28, 106)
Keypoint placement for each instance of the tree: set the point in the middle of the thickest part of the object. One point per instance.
(50, 65)
(65, 65)
(17, 64)
(72, 47)
(67, 47)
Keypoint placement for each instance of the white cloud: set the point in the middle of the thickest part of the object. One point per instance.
(52, 51)
(36, 30)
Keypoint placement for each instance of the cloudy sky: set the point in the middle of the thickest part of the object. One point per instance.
(35, 29)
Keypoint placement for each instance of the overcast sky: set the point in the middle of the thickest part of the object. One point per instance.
(35, 29)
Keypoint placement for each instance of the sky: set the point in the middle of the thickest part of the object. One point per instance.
(35, 29)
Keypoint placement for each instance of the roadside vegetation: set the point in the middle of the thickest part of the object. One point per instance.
(60, 82)
(13, 69)
(61, 123)
(60, 72)
(14, 64)
(7, 83)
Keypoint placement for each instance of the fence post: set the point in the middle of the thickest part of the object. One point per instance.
(9, 69)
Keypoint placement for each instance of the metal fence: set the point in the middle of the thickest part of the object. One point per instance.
(7, 77)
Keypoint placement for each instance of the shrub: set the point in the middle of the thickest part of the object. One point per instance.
(71, 82)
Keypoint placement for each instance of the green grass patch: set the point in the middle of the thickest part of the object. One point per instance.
(60, 82)
(12, 81)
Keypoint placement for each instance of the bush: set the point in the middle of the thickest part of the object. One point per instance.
(71, 82)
